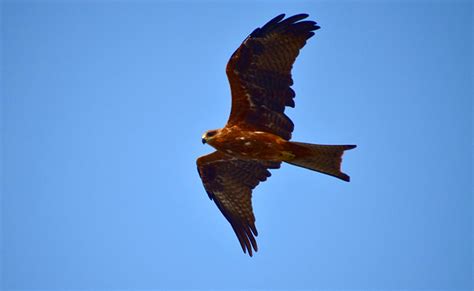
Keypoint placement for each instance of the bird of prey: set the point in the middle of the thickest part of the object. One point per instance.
(257, 134)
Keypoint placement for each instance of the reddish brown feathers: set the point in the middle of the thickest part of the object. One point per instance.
(229, 182)
(325, 159)
(259, 73)
(256, 137)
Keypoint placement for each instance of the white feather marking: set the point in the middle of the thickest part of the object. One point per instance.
(250, 100)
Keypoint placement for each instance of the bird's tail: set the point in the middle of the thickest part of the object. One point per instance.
(326, 159)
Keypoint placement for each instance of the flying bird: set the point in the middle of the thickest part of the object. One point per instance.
(257, 135)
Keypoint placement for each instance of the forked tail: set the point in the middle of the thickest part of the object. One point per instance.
(326, 159)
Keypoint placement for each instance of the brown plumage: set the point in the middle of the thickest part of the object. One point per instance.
(256, 136)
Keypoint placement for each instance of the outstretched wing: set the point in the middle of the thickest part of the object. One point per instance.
(259, 73)
(229, 182)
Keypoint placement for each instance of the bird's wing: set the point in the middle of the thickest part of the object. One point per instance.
(229, 182)
(259, 74)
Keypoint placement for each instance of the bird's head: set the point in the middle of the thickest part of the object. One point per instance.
(209, 135)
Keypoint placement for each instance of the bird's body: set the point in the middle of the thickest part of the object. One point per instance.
(249, 145)
(257, 135)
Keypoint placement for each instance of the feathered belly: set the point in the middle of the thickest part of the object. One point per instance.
(255, 145)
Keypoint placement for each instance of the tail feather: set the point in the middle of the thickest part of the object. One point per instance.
(326, 159)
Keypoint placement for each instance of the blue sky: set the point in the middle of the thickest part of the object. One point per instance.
(104, 104)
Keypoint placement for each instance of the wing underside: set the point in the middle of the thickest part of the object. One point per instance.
(229, 182)
(259, 73)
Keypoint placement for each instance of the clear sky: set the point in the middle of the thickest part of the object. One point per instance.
(104, 104)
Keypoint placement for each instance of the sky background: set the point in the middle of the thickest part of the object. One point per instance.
(104, 104)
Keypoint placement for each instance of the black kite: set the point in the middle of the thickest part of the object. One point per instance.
(256, 136)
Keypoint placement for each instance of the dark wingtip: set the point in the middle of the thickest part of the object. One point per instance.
(274, 20)
(254, 229)
(344, 177)
(251, 252)
(278, 22)
(269, 25)
(249, 248)
(296, 17)
(350, 147)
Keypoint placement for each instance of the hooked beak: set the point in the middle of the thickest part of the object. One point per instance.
(204, 141)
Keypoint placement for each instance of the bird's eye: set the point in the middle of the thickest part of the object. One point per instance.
(211, 133)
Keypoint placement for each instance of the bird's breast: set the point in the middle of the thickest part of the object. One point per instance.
(252, 145)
